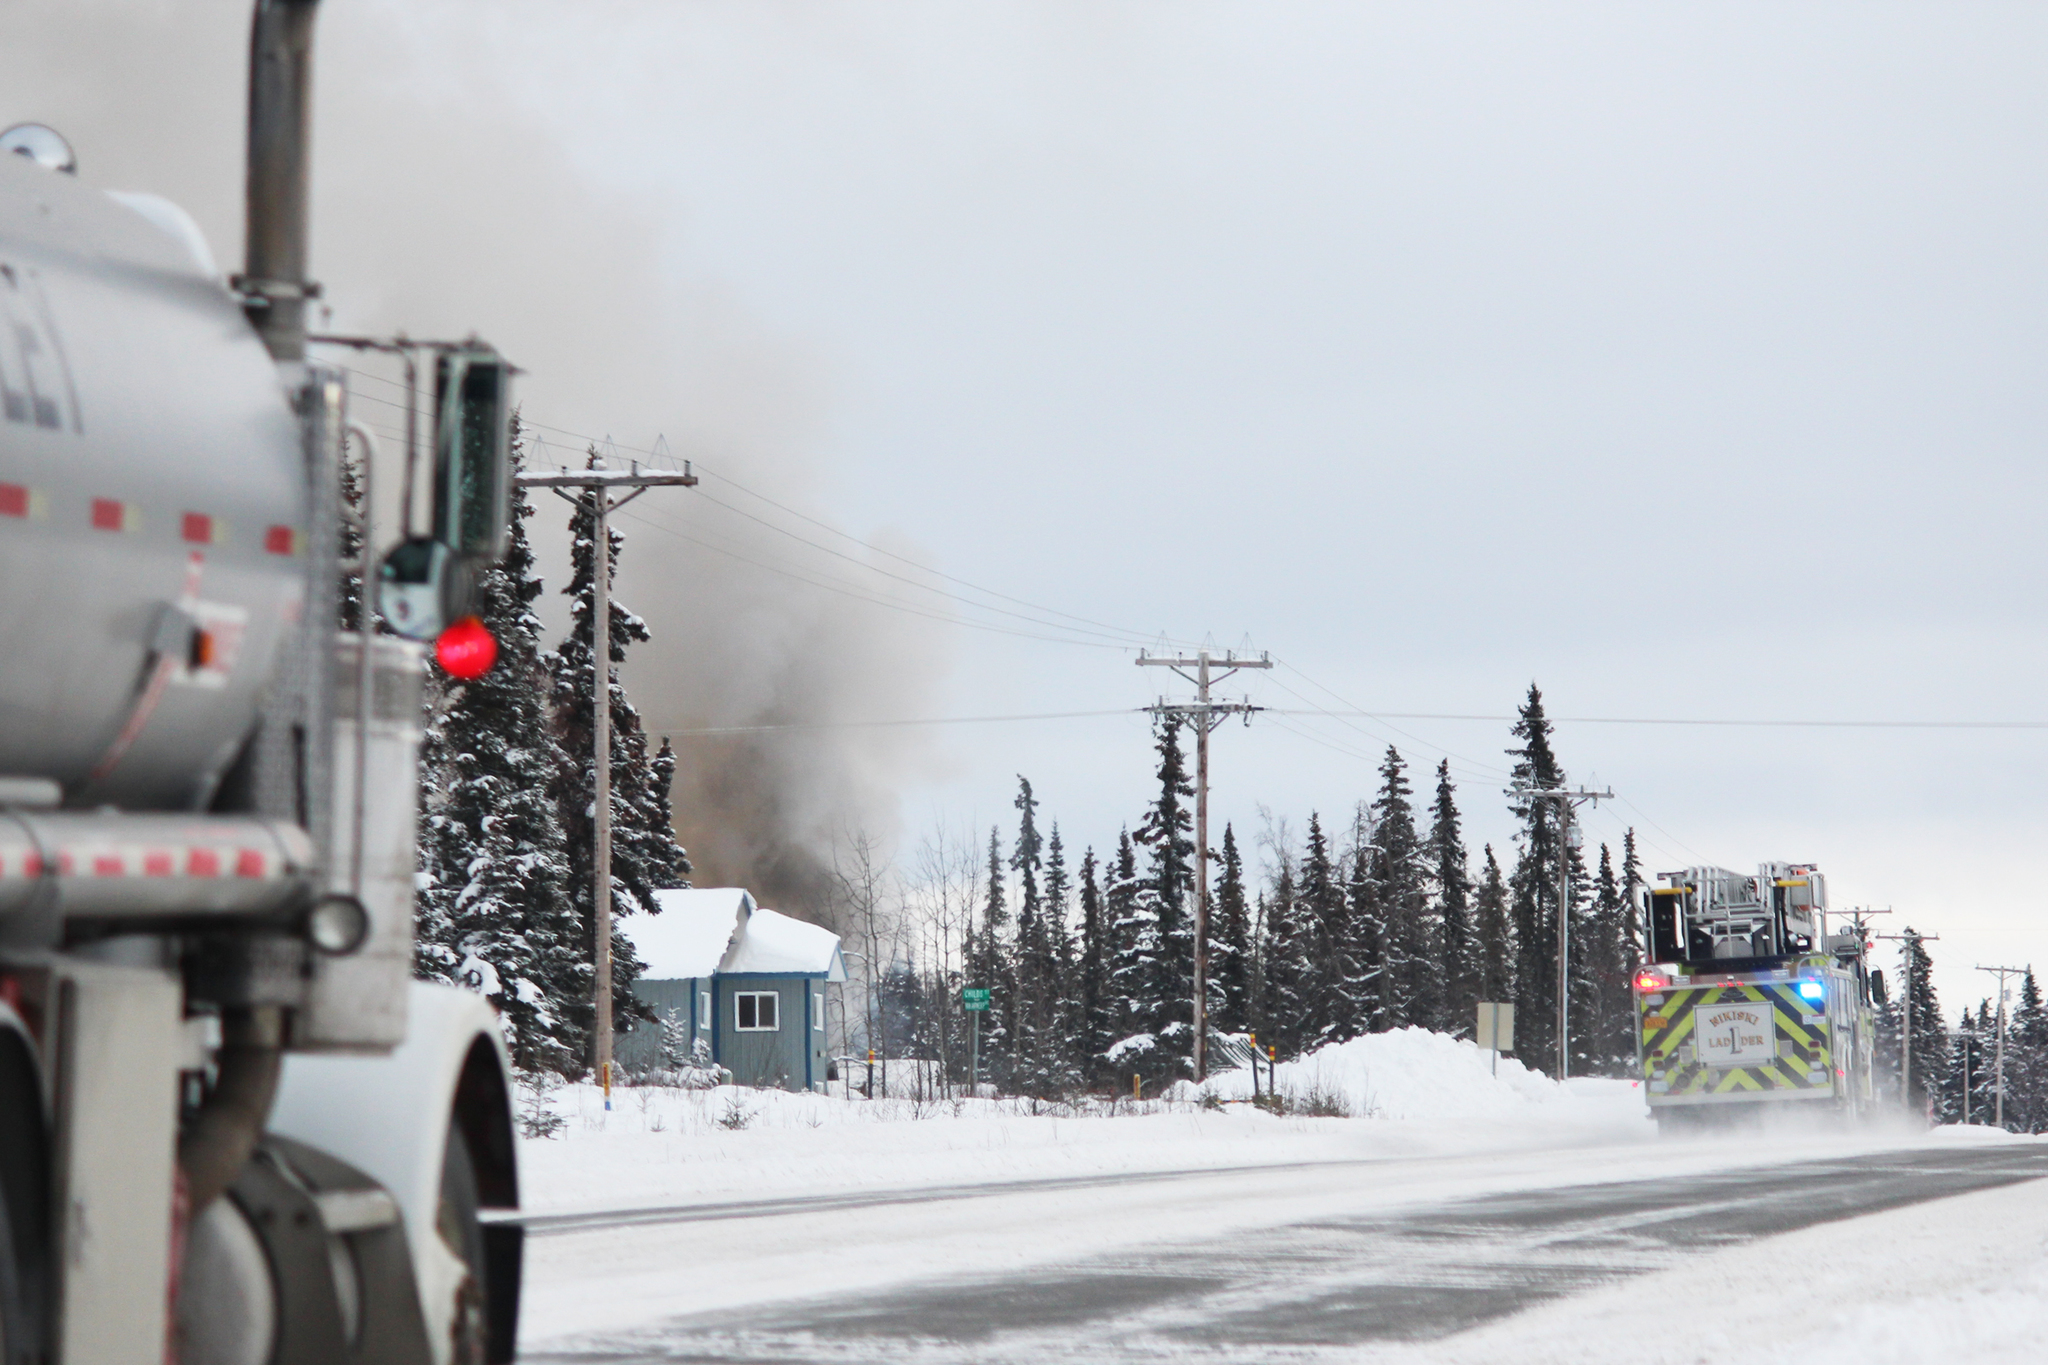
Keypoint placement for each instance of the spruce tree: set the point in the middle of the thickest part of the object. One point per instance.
(1030, 962)
(1411, 986)
(1063, 1064)
(2026, 1040)
(1494, 952)
(1925, 1033)
(989, 968)
(1450, 893)
(1285, 1006)
(494, 911)
(1333, 1008)
(645, 855)
(1606, 1041)
(1131, 907)
(1533, 887)
(1092, 973)
(1230, 943)
(1167, 832)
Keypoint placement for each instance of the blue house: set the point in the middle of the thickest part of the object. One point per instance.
(749, 982)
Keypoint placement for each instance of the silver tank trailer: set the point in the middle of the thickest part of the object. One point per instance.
(151, 491)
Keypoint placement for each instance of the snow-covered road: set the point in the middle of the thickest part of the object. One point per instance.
(1334, 1283)
(829, 1230)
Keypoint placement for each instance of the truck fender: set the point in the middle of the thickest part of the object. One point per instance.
(390, 1116)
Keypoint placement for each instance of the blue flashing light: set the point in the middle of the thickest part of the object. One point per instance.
(1813, 990)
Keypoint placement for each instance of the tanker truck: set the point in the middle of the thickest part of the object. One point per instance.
(1748, 1006)
(233, 1129)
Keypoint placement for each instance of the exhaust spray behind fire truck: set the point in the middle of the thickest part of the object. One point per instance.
(233, 1130)
(1748, 1004)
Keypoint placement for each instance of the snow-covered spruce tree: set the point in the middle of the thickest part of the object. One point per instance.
(1168, 833)
(1411, 986)
(645, 855)
(1288, 981)
(1605, 1042)
(990, 967)
(1039, 1044)
(1132, 912)
(1533, 889)
(1450, 901)
(1493, 935)
(1924, 1030)
(1334, 1006)
(1230, 945)
(1093, 998)
(494, 911)
(2026, 1040)
(1362, 943)
(1063, 1054)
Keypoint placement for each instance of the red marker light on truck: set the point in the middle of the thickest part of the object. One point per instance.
(466, 649)
(1648, 982)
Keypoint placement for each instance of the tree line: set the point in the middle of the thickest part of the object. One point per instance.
(1953, 1072)
(1375, 923)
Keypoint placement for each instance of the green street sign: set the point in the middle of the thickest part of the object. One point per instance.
(974, 999)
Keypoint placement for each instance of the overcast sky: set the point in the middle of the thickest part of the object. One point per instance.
(1684, 360)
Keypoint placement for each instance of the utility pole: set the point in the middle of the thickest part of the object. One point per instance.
(1565, 800)
(600, 482)
(1909, 938)
(1998, 1066)
(1207, 715)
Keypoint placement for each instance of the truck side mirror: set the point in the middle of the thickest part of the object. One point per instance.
(423, 587)
(1877, 992)
(472, 453)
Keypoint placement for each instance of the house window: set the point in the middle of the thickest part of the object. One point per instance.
(818, 1011)
(754, 1012)
(703, 1009)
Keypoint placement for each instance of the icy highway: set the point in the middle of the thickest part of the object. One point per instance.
(1308, 1261)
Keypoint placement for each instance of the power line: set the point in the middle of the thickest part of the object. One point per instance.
(884, 724)
(1706, 721)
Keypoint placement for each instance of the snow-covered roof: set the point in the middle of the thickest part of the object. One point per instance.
(691, 934)
(770, 941)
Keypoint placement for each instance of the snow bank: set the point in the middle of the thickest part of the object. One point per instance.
(1415, 1074)
(1406, 1094)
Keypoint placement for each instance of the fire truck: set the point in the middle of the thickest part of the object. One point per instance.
(1748, 1005)
(233, 1129)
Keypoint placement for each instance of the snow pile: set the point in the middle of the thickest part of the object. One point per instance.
(1414, 1074)
(1396, 1095)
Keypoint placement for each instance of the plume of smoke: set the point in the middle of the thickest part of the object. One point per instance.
(444, 205)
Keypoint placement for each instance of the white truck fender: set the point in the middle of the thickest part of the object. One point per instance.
(389, 1117)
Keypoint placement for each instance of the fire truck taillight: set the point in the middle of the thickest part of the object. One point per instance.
(1650, 982)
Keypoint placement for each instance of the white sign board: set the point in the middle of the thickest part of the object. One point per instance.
(1739, 1034)
(1496, 1030)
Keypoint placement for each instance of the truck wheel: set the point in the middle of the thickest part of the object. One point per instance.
(456, 1220)
(14, 1334)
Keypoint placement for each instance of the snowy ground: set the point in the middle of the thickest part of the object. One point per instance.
(1430, 1123)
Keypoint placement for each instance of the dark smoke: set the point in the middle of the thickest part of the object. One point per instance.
(443, 205)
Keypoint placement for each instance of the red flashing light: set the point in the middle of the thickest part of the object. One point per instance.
(466, 649)
(1649, 981)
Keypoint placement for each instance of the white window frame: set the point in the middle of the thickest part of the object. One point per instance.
(774, 1011)
(703, 1010)
(817, 1011)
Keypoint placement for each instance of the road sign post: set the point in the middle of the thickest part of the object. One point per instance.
(1496, 1031)
(974, 1000)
